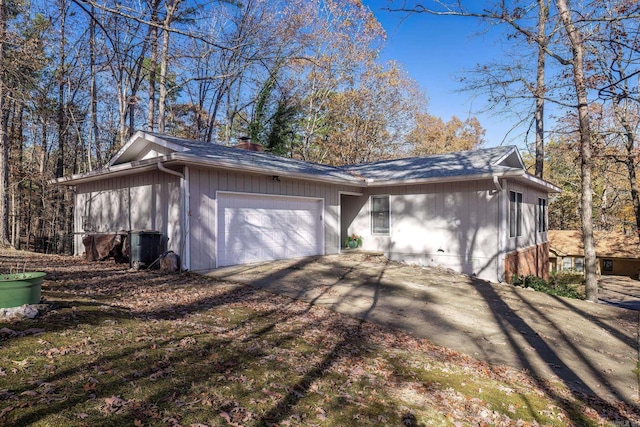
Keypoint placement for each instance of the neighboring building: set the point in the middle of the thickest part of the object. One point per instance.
(617, 254)
(476, 212)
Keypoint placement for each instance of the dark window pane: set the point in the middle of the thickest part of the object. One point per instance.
(380, 214)
(512, 214)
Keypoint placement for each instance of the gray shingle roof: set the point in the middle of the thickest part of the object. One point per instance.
(465, 163)
(268, 161)
(474, 162)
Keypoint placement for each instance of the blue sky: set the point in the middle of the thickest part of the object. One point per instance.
(436, 50)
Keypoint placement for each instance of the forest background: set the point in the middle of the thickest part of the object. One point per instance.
(305, 79)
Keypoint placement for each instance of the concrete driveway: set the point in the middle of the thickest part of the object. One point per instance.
(591, 348)
(620, 291)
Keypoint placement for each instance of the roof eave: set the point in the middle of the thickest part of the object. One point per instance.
(432, 180)
(515, 173)
(507, 154)
(116, 171)
(181, 159)
(541, 183)
(178, 158)
(145, 136)
(261, 170)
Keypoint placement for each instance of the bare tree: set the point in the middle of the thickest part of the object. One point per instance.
(540, 87)
(576, 61)
(153, 63)
(171, 9)
(514, 87)
(576, 40)
(4, 142)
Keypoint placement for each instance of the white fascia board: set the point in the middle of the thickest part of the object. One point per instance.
(110, 172)
(507, 154)
(135, 137)
(532, 179)
(514, 174)
(437, 180)
(176, 158)
(180, 159)
(261, 170)
(147, 138)
(164, 143)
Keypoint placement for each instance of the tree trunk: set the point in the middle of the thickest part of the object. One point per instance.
(163, 81)
(62, 129)
(61, 88)
(630, 162)
(586, 166)
(543, 15)
(93, 95)
(171, 7)
(4, 140)
(151, 111)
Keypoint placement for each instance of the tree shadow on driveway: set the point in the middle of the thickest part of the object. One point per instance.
(588, 347)
(541, 354)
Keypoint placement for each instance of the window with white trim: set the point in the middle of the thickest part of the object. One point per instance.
(515, 214)
(380, 214)
(542, 215)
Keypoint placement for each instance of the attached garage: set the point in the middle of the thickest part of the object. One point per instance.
(220, 206)
(258, 227)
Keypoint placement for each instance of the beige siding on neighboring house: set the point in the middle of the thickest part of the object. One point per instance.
(454, 225)
(150, 201)
(204, 183)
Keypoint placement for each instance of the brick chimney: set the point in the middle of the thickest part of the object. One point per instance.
(246, 144)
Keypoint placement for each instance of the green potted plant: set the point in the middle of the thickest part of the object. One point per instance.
(353, 241)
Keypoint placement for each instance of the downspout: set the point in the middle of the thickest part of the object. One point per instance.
(184, 178)
(496, 182)
(501, 231)
(162, 168)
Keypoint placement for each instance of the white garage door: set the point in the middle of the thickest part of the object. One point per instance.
(253, 228)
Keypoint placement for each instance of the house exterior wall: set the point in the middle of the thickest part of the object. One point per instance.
(150, 200)
(204, 183)
(615, 266)
(463, 226)
(454, 225)
(620, 266)
(528, 253)
(531, 236)
(531, 261)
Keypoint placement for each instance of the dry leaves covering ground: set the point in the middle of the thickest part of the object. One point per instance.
(123, 347)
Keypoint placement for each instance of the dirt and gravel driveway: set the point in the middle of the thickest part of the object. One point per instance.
(590, 347)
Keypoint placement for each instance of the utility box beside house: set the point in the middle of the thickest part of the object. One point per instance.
(145, 246)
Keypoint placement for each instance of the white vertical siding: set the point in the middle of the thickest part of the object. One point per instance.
(150, 200)
(461, 225)
(454, 225)
(530, 235)
(205, 182)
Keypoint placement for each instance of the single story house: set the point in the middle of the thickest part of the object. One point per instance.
(618, 254)
(476, 212)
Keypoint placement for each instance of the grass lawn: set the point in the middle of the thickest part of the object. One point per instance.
(123, 347)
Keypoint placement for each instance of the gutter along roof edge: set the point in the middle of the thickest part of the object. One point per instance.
(184, 159)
